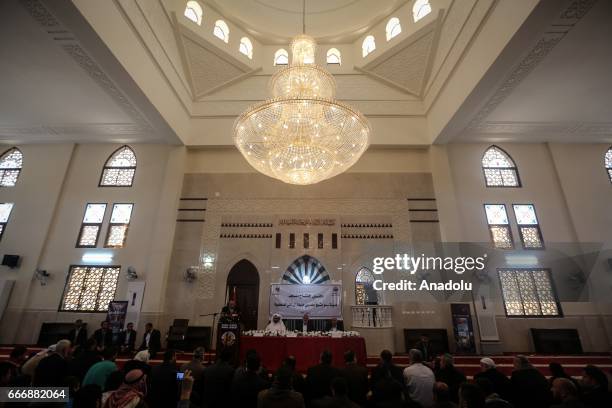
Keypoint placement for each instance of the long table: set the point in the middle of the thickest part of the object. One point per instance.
(307, 350)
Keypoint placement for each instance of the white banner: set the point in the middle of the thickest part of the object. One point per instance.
(293, 301)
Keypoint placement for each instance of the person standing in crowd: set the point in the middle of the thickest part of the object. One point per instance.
(280, 395)
(247, 384)
(529, 387)
(424, 346)
(100, 371)
(164, 387)
(196, 366)
(151, 340)
(451, 376)
(103, 336)
(441, 396)
(87, 357)
(78, 334)
(501, 383)
(595, 388)
(132, 392)
(356, 377)
(565, 394)
(127, 339)
(319, 377)
(419, 379)
(53, 369)
(386, 368)
(216, 380)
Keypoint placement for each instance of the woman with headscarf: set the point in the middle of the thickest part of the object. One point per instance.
(132, 392)
(276, 326)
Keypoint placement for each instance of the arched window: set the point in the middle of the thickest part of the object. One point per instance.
(420, 9)
(193, 11)
(10, 167)
(221, 31)
(499, 169)
(365, 294)
(334, 56)
(393, 28)
(608, 163)
(368, 45)
(281, 57)
(305, 270)
(119, 169)
(246, 47)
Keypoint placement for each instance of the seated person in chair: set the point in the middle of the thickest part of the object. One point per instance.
(276, 326)
(307, 324)
(334, 325)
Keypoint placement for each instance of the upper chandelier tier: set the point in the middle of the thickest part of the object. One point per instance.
(302, 135)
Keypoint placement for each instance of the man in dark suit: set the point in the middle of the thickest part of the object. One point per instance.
(103, 336)
(307, 324)
(164, 387)
(217, 381)
(500, 383)
(386, 368)
(127, 339)
(530, 388)
(151, 340)
(78, 334)
(424, 345)
(334, 325)
(356, 378)
(319, 377)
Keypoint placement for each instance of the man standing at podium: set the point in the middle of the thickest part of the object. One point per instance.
(231, 311)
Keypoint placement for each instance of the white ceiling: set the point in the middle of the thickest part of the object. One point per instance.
(276, 21)
(552, 83)
(54, 90)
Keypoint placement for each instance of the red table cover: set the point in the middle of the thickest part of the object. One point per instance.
(307, 350)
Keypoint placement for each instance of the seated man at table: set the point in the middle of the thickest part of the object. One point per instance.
(276, 326)
(307, 324)
(334, 325)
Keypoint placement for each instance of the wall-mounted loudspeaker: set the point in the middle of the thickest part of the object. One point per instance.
(12, 261)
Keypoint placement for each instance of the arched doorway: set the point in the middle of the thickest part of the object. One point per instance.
(244, 279)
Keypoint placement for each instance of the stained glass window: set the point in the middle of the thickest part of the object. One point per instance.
(608, 163)
(90, 288)
(281, 57)
(528, 292)
(118, 226)
(499, 169)
(305, 270)
(420, 9)
(499, 228)
(119, 169)
(193, 11)
(368, 45)
(90, 228)
(221, 31)
(5, 213)
(527, 222)
(246, 47)
(393, 28)
(10, 167)
(334, 56)
(365, 294)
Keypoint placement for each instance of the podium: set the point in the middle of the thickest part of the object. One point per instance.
(228, 338)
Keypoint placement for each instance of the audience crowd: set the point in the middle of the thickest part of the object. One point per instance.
(87, 367)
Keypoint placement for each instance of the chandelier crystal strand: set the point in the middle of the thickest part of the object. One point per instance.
(302, 135)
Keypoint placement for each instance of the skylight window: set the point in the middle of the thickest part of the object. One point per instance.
(420, 9)
(334, 56)
(221, 31)
(368, 45)
(193, 12)
(246, 47)
(393, 28)
(281, 57)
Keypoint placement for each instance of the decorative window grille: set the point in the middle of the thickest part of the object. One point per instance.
(118, 226)
(89, 288)
(119, 169)
(499, 169)
(320, 241)
(90, 227)
(11, 163)
(5, 213)
(608, 163)
(499, 227)
(306, 240)
(365, 294)
(528, 293)
(528, 226)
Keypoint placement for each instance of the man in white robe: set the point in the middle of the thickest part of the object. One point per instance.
(276, 326)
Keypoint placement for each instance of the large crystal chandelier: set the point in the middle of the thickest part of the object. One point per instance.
(302, 135)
